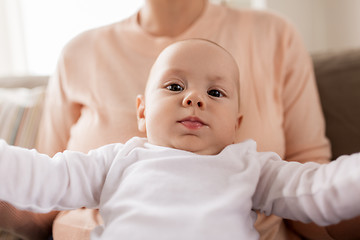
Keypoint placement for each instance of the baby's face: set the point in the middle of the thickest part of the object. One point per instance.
(191, 100)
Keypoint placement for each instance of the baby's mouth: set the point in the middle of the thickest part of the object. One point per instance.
(192, 123)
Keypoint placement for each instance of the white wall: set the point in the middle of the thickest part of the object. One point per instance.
(324, 24)
(343, 23)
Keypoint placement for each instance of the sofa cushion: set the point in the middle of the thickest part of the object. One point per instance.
(338, 79)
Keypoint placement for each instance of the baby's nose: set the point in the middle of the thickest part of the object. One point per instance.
(190, 103)
(193, 100)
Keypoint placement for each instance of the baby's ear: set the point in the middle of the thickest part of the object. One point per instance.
(140, 106)
(239, 120)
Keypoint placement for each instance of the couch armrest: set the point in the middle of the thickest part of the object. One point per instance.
(23, 81)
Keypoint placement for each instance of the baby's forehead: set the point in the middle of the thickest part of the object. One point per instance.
(199, 52)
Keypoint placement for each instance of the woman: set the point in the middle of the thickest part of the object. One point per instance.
(91, 97)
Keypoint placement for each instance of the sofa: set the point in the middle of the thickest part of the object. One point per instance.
(338, 79)
(21, 101)
(337, 76)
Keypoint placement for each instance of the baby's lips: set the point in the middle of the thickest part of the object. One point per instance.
(192, 122)
(192, 125)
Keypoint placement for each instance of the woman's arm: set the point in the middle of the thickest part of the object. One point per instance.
(305, 135)
(60, 113)
(304, 125)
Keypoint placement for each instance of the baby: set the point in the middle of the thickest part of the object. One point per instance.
(187, 180)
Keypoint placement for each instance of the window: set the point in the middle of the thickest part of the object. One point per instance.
(50, 24)
(43, 27)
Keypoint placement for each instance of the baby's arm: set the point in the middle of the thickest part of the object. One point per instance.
(69, 180)
(324, 194)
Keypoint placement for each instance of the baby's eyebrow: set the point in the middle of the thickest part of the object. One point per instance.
(177, 71)
(220, 80)
(216, 78)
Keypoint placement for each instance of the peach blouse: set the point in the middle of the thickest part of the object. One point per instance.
(91, 97)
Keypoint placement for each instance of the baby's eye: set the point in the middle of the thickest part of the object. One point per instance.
(175, 87)
(215, 93)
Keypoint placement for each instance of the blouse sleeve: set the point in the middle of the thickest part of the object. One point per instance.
(60, 113)
(304, 124)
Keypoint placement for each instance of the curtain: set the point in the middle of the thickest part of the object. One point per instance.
(12, 43)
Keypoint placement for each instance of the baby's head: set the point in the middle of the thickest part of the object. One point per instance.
(191, 100)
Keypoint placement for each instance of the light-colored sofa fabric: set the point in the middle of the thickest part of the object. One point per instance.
(21, 100)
